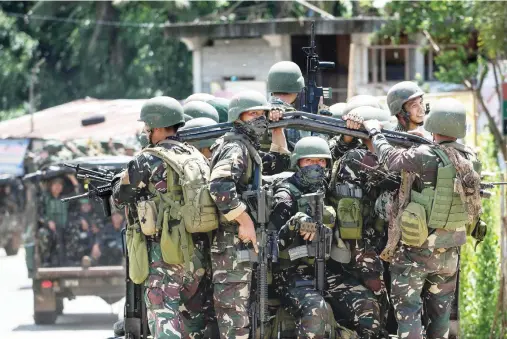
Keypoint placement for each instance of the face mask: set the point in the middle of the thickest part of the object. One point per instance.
(258, 125)
(313, 175)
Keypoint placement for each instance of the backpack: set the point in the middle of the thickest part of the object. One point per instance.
(194, 207)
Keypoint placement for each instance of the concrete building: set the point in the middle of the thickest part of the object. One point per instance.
(232, 56)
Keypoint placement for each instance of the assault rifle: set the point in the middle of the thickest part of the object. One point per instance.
(392, 181)
(101, 193)
(257, 200)
(320, 246)
(312, 93)
(307, 122)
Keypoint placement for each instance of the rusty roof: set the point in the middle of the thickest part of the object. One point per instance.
(64, 121)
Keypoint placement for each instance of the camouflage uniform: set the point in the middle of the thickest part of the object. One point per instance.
(229, 179)
(306, 304)
(365, 266)
(428, 271)
(78, 241)
(110, 243)
(51, 242)
(176, 302)
(338, 147)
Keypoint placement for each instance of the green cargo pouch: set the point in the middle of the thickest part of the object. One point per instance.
(138, 254)
(414, 230)
(480, 230)
(175, 245)
(350, 218)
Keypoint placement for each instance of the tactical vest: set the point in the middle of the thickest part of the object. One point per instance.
(328, 217)
(434, 207)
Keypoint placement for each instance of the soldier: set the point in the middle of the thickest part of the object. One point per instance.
(362, 232)
(202, 145)
(175, 293)
(294, 279)
(432, 220)
(53, 218)
(79, 236)
(234, 161)
(200, 109)
(342, 143)
(222, 106)
(405, 101)
(285, 82)
(108, 244)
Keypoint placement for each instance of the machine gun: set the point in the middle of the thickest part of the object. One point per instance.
(313, 93)
(307, 122)
(101, 193)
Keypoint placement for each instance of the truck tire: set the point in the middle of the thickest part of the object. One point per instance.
(59, 306)
(96, 119)
(45, 318)
(11, 248)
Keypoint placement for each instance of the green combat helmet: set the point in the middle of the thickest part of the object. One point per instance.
(200, 122)
(222, 107)
(447, 117)
(161, 112)
(360, 101)
(285, 77)
(200, 109)
(400, 93)
(246, 101)
(337, 109)
(310, 147)
(199, 97)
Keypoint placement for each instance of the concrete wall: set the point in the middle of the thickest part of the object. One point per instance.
(250, 58)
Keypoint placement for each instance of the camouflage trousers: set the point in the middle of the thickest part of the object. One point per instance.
(304, 303)
(77, 243)
(430, 275)
(354, 306)
(48, 246)
(177, 303)
(232, 284)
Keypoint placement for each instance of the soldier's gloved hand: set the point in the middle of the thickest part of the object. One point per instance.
(305, 225)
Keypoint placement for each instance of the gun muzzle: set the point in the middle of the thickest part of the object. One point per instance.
(326, 65)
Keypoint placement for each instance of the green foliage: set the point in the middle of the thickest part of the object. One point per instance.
(480, 269)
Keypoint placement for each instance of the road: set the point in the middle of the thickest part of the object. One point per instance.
(83, 317)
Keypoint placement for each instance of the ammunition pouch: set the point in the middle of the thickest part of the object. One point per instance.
(147, 212)
(350, 218)
(480, 230)
(414, 229)
(139, 266)
(176, 244)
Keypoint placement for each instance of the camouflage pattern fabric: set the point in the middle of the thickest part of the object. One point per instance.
(353, 305)
(110, 242)
(79, 241)
(424, 162)
(428, 274)
(365, 265)
(228, 180)
(48, 247)
(51, 243)
(303, 302)
(339, 147)
(176, 302)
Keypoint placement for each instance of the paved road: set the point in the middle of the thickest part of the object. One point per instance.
(83, 317)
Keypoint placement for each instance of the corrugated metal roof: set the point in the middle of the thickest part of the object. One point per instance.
(64, 121)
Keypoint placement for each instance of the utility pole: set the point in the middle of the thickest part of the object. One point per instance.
(33, 77)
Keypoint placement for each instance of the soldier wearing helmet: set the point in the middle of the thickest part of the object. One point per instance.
(293, 218)
(433, 218)
(342, 143)
(170, 287)
(236, 162)
(405, 101)
(356, 284)
(285, 82)
(220, 104)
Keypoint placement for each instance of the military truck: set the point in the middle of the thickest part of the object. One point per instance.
(52, 284)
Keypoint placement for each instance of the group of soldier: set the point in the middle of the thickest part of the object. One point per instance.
(77, 235)
(410, 233)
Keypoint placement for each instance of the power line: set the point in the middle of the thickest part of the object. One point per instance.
(86, 22)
